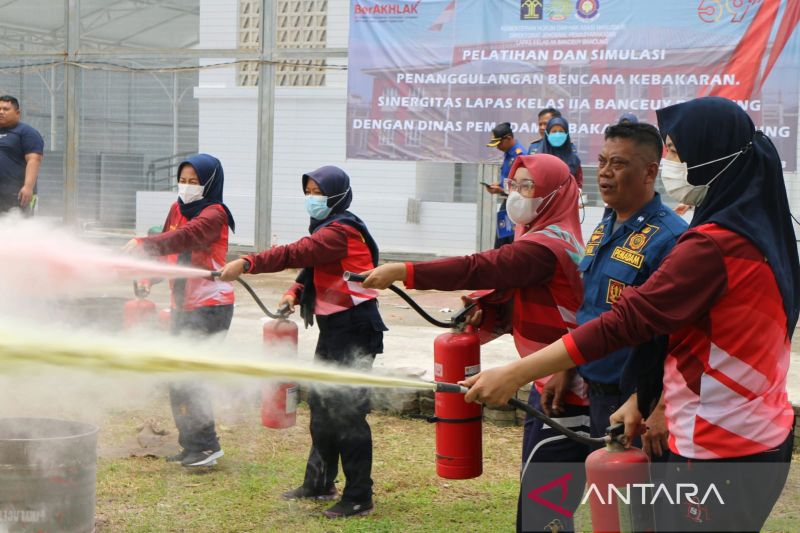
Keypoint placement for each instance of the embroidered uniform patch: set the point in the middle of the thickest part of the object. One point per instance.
(629, 257)
(614, 290)
(637, 241)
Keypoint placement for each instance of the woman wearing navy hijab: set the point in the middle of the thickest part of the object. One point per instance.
(196, 233)
(558, 143)
(727, 297)
(350, 334)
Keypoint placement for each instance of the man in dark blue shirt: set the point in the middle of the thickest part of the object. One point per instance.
(21, 149)
(503, 140)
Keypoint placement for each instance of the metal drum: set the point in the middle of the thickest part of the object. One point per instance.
(47, 475)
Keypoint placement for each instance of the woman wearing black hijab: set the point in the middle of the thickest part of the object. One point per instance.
(196, 233)
(350, 334)
(727, 297)
(557, 142)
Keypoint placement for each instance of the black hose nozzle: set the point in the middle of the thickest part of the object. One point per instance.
(352, 276)
(451, 387)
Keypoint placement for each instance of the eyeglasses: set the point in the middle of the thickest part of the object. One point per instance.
(523, 186)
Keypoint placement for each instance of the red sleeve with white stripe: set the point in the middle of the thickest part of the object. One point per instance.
(685, 287)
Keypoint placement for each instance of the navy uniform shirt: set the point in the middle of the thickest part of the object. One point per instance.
(508, 160)
(535, 147)
(505, 228)
(15, 143)
(615, 260)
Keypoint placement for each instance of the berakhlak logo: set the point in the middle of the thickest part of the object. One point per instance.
(531, 9)
(587, 9)
(387, 8)
(535, 495)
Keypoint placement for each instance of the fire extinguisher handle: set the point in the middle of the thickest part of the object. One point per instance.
(615, 430)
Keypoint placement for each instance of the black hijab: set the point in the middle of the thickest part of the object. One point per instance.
(335, 184)
(566, 152)
(749, 197)
(212, 178)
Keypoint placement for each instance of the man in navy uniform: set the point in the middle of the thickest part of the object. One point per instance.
(503, 140)
(636, 233)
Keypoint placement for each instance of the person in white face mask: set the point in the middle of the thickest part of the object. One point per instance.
(531, 289)
(195, 233)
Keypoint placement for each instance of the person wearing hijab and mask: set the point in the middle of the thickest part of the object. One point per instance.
(727, 296)
(556, 141)
(195, 233)
(531, 289)
(350, 334)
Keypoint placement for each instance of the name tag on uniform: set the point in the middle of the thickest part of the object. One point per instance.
(629, 257)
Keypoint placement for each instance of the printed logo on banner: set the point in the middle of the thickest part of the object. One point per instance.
(386, 10)
(711, 11)
(558, 10)
(587, 9)
(531, 9)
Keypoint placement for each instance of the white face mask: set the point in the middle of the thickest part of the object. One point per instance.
(675, 177)
(522, 210)
(189, 193)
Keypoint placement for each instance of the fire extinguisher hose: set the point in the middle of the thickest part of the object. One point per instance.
(352, 276)
(577, 437)
(283, 312)
(443, 387)
(440, 386)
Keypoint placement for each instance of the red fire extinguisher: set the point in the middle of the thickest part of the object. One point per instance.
(139, 311)
(612, 471)
(279, 400)
(459, 448)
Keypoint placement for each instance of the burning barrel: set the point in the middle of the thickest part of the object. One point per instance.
(47, 475)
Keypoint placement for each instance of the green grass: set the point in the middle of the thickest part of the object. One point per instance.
(242, 493)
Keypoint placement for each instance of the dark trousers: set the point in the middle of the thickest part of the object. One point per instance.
(191, 401)
(752, 484)
(601, 406)
(548, 456)
(10, 201)
(339, 427)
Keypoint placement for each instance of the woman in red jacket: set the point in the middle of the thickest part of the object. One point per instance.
(196, 234)
(350, 334)
(535, 292)
(727, 296)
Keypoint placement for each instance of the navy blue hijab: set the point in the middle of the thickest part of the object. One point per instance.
(335, 184)
(212, 178)
(749, 198)
(566, 152)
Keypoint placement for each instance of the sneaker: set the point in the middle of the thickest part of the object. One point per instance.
(204, 458)
(178, 457)
(303, 493)
(344, 509)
